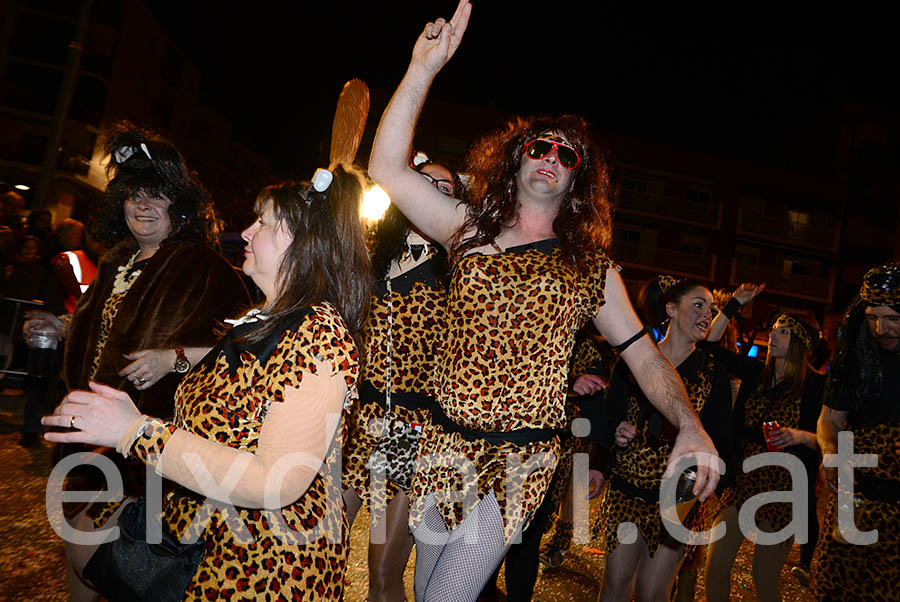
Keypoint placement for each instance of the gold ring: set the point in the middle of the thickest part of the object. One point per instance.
(72, 422)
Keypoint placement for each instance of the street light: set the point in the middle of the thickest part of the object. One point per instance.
(375, 203)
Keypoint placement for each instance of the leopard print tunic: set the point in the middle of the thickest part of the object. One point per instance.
(759, 409)
(417, 309)
(643, 461)
(125, 277)
(230, 407)
(864, 573)
(511, 324)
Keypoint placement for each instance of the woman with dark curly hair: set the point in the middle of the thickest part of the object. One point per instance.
(161, 291)
(402, 342)
(529, 268)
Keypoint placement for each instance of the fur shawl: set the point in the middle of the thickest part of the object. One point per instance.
(180, 299)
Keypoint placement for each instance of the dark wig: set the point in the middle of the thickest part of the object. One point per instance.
(327, 259)
(584, 221)
(392, 230)
(142, 161)
(652, 300)
(855, 374)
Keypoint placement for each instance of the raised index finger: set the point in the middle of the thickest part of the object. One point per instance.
(460, 18)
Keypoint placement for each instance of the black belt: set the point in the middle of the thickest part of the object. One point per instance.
(411, 401)
(518, 436)
(875, 488)
(651, 496)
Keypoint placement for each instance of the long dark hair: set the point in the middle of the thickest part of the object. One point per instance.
(392, 230)
(327, 259)
(142, 161)
(855, 374)
(795, 363)
(584, 221)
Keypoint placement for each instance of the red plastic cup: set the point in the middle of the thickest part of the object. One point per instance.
(769, 429)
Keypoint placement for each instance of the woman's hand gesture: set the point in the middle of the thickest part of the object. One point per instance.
(440, 39)
(625, 432)
(99, 416)
(746, 292)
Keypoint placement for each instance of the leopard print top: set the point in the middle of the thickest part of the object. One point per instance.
(643, 461)
(417, 310)
(511, 324)
(126, 276)
(869, 573)
(759, 409)
(229, 405)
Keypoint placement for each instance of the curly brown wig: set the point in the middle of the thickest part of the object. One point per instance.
(159, 170)
(584, 220)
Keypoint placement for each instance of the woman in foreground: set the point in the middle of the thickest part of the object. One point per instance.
(262, 411)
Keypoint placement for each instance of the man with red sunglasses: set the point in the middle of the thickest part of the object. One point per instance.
(530, 268)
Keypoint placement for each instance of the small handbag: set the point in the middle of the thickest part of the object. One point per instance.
(130, 569)
(398, 445)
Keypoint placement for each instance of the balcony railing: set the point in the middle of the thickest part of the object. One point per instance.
(781, 229)
(666, 261)
(814, 288)
(675, 209)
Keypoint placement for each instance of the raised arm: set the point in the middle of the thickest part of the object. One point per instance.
(658, 379)
(432, 212)
(743, 295)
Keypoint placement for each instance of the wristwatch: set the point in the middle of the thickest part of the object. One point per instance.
(182, 363)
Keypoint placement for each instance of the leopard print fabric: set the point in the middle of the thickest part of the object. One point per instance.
(864, 573)
(511, 324)
(230, 409)
(642, 463)
(110, 309)
(417, 309)
(758, 409)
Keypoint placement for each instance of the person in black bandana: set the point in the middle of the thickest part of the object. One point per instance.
(863, 396)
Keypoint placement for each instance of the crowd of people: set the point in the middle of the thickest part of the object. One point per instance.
(450, 375)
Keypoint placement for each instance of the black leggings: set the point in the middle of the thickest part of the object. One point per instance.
(522, 559)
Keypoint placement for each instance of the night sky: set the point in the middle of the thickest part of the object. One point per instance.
(740, 79)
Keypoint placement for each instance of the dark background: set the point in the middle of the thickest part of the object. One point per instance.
(746, 80)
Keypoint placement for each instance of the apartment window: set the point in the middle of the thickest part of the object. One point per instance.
(692, 245)
(746, 255)
(698, 196)
(798, 218)
(636, 183)
(628, 237)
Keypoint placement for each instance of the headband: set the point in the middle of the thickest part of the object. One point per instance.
(798, 328)
(881, 285)
(124, 153)
(666, 282)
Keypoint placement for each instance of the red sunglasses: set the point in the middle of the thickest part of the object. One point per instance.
(540, 147)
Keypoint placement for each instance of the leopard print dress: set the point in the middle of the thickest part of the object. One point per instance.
(759, 408)
(864, 573)
(632, 495)
(510, 330)
(417, 310)
(225, 399)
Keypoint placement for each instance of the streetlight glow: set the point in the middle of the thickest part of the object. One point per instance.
(22, 187)
(375, 203)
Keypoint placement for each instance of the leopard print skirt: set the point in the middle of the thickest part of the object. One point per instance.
(864, 573)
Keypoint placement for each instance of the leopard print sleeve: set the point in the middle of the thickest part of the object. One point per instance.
(152, 440)
(594, 282)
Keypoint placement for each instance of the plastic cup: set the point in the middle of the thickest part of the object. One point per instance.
(42, 346)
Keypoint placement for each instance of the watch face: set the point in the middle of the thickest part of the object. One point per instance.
(182, 366)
